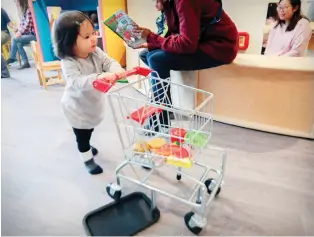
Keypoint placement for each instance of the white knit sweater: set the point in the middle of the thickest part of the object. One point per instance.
(83, 105)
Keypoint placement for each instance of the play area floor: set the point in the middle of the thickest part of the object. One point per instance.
(46, 190)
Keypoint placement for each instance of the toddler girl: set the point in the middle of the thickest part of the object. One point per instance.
(82, 62)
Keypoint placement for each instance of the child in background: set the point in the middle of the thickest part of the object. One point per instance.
(162, 27)
(162, 31)
(94, 19)
(82, 62)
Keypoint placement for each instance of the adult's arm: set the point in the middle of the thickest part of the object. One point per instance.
(189, 25)
(300, 40)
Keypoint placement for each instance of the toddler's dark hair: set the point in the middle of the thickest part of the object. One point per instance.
(65, 31)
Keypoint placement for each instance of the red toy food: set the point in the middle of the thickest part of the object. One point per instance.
(177, 135)
(173, 150)
(143, 113)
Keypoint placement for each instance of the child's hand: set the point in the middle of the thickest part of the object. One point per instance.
(111, 77)
(108, 76)
(121, 75)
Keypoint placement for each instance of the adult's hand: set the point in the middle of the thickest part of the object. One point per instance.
(143, 32)
(18, 35)
(143, 46)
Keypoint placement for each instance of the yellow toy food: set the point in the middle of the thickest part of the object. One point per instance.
(156, 143)
(141, 147)
(179, 162)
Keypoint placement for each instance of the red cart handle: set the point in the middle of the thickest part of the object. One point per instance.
(103, 85)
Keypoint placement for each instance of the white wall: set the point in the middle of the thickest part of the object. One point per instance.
(248, 15)
(308, 9)
(10, 7)
(143, 12)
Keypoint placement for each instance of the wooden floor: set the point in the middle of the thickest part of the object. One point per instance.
(269, 182)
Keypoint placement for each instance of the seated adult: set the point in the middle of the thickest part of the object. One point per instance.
(291, 33)
(5, 22)
(24, 35)
(200, 35)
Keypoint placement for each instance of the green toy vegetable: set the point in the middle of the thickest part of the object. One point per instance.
(196, 139)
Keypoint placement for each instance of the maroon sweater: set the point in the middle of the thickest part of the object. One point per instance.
(184, 19)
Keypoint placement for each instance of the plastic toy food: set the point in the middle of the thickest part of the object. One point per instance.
(177, 135)
(173, 150)
(196, 139)
(184, 163)
(143, 113)
(156, 143)
(140, 147)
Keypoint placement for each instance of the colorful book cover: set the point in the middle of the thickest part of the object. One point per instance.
(121, 24)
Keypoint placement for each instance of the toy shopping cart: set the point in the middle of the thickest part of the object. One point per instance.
(154, 134)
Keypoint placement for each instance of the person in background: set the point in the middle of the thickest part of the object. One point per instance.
(94, 19)
(5, 37)
(4, 68)
(162, 30)
(161, 23)
(5, 22)
(23, 36)
(162, 27)
(291, 33)
(201, 35)
(271, 19)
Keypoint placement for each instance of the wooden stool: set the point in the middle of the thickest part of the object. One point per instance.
(42, 67)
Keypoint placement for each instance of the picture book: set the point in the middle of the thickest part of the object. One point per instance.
(121, 24)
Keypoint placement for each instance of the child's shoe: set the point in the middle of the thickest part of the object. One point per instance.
(89, 162)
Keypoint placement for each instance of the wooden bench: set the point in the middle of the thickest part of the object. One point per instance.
(273, 94)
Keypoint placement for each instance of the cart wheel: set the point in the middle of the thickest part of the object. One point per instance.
(211, 184)
(179, 176)
(191, 223)
(114, 191)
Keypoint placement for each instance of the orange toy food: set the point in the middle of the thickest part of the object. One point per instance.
(156, 143)
(140, 147)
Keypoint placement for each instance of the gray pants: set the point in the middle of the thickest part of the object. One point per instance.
(4, 68)
(5, 37)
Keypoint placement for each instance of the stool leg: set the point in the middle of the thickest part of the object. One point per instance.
(59, 76)
(19, 58)
(39, 78)
(43, 79)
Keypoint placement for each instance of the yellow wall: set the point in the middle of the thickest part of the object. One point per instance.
(114, 44)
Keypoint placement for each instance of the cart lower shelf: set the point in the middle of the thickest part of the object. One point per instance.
(128, 216)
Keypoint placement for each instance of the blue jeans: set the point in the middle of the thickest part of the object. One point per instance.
(18, 44)
(162, 62)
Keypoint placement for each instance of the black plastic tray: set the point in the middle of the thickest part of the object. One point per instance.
(126, 217)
